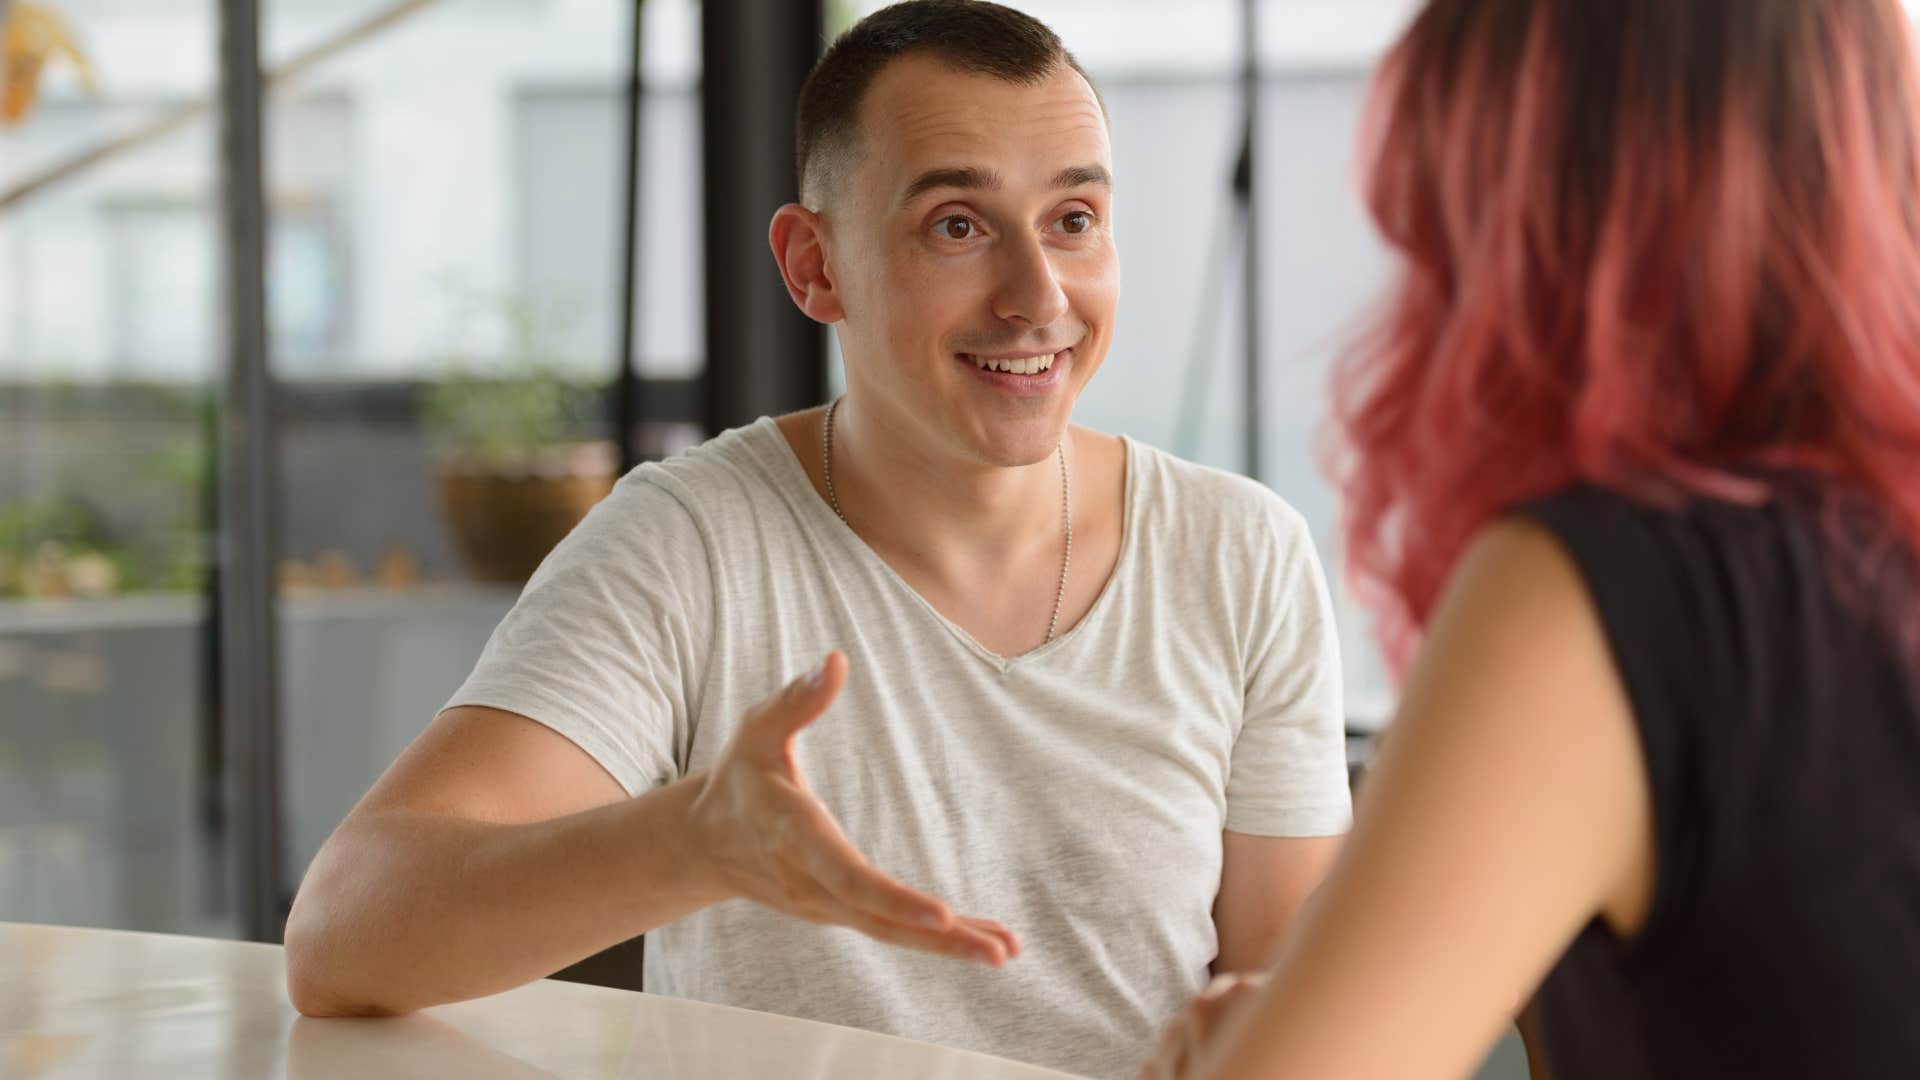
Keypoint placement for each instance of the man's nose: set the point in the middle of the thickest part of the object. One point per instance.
(1029, 290)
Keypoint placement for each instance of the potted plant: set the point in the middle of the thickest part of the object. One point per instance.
(515, 466)
(60, 543)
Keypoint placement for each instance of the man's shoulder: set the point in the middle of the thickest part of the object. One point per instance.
(1207, 496)
(734, 468)
(701, 494)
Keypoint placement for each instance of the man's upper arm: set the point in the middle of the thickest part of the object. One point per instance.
(608, 637)
(1288, 774)
(578, 699)
(490, 765)
(1264, 881)
(1287, 798)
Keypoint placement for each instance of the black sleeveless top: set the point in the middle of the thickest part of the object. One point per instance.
(1781, 728)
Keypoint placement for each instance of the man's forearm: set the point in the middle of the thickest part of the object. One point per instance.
(1265, 883)
(402, 910)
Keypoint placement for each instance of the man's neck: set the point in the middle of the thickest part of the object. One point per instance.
(901, 495)
(983, 545)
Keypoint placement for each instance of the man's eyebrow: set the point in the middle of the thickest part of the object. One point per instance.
(974, 178)
(1082, 175)
(968, 177)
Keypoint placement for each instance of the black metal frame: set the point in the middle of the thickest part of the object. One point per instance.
(242, 579)
(626, 396)
(763, 356)
(242, 632)
(1250, 83)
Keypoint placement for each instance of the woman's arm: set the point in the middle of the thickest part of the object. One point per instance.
(1510, 807)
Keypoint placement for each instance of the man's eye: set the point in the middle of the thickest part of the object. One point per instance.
(954, 227)
(1076, 222)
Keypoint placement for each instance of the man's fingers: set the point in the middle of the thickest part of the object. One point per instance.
(778, 719)
(961, 941)
(846, 874)
(1006, 937)
(863, 888)
(979, 940)
(891, 911)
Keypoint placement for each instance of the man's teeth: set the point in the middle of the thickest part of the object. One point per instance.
(1031, 365)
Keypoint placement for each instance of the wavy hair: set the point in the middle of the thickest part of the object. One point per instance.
(1666, 247)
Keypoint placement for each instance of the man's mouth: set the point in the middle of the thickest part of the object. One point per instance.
(1020, 365)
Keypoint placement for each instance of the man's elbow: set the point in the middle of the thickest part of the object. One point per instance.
(309, 988)
(314, 997)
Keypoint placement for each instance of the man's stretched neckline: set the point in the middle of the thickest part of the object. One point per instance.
(825, 518)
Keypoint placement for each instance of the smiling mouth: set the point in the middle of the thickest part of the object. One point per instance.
(1021, 365)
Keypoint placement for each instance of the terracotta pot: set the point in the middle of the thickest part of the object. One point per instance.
(504, 517)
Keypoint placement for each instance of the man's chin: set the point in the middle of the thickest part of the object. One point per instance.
(1014, 446)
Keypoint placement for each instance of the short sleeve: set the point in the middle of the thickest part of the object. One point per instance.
(1288, 775)
(605, 643)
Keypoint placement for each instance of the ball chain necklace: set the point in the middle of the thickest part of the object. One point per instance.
(1066, 510)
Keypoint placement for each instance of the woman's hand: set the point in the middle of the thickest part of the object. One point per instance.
(1181, 1045)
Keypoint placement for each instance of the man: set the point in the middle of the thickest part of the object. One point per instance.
(1080, 701)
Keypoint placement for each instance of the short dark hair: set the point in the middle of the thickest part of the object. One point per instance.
(974, 36)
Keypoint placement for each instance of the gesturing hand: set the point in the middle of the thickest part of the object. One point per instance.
(1181, 1045)
(768, 839)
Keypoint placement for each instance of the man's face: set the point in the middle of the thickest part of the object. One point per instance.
(976, 232)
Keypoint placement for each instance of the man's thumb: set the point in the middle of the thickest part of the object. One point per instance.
(803, 700)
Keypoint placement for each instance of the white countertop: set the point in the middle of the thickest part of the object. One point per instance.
(102, 1003)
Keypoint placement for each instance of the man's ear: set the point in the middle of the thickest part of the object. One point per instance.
(798, 243)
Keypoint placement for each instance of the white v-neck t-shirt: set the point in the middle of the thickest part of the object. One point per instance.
(1076, 793)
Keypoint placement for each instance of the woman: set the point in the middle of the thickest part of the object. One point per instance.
(1647, 405)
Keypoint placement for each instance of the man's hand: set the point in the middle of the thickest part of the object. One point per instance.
(764, 837)
(1181, 1045)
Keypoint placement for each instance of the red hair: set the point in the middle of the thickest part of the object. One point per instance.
(1670, 249)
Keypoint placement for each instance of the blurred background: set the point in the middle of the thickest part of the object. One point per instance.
(300, 369)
